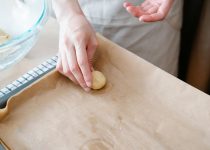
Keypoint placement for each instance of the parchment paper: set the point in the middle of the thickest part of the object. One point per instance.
(141, 107)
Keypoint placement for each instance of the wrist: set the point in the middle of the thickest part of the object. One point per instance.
(72, 19)
(65, 9)
(69, 17)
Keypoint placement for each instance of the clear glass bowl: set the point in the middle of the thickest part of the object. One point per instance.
(22, 20)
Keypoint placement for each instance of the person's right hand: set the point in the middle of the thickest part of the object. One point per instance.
(77, 44)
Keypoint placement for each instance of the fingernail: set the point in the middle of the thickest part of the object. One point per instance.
(88, 84)
(92, 69)
(87, 89)
(141, 19)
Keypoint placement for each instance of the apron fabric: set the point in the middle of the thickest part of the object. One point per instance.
(156, 42)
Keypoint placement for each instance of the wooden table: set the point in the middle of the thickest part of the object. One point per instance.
(141, 107)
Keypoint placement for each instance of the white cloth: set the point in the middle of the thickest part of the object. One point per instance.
(156, 42)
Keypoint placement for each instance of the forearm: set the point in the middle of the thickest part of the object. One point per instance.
(66, 8)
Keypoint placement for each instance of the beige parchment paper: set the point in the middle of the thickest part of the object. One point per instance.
(141, 107)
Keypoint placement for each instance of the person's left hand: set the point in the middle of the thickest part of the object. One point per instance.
(150, 10)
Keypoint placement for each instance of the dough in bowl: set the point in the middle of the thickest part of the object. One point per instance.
(99, 80)
(3, 37)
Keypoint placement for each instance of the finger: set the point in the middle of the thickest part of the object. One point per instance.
(83, 62)
(59, 64)
(91, 49)
(60, 69)
(74, 68)
(69, 73)
(61, 54)
(64, 62)
(135, 11)
(92, 69)
(91, 57)
(66, 71)
(153, 17)
(126, 4)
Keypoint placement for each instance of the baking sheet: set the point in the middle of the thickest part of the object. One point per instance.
(141, 107)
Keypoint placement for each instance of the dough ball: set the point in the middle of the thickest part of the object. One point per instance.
(99, 80)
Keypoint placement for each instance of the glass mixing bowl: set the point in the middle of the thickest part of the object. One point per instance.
(22, 20)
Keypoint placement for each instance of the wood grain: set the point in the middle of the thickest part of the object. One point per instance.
(141, 107)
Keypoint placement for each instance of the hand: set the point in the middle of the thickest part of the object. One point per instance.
(150, 10)
(77, 44)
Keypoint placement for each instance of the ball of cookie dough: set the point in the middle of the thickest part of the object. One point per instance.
(99, 80)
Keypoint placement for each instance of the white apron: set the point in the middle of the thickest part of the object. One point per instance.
(156, 42)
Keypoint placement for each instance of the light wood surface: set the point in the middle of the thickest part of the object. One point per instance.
(141, 107)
